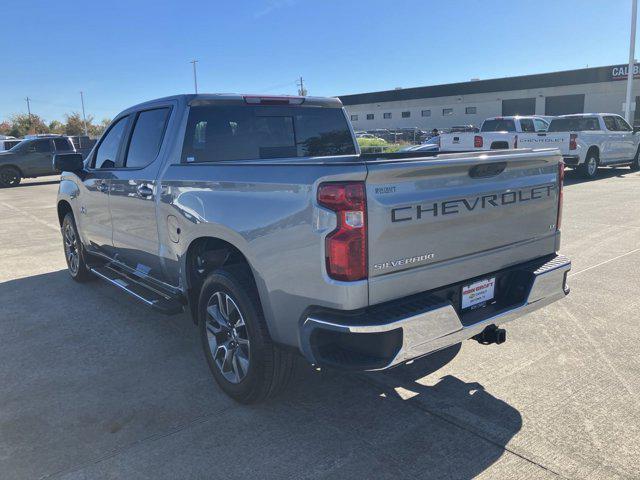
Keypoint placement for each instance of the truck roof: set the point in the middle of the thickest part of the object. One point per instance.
(209, 98)
(513, 117)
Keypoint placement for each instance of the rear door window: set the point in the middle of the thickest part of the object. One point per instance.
(238, 132)
(61, 144)
(540, 125)
(146, 137)
(610, 123)
(107, 154)
(622, 125)
(526, 124)
(499, 125)
(41, 146)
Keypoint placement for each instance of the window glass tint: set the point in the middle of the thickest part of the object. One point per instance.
(622, 125)
(498, 125)
(447, 111)
(61, 144)
(386, 115)
(426, 113)
(217, 133)
(610, 123)
(540, 125)
(354, 117)
(526, 124)
(107, 153)
(470, 110)
(146, 137)
(370, 116)
(406, 114)
(41, 146)
(574, 124)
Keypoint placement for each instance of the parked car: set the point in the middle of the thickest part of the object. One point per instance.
(258, 215)
(8, 143)
(32, 157)
(495, 133)
(596, 139)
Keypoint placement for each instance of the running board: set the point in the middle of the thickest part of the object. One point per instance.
(148, 295)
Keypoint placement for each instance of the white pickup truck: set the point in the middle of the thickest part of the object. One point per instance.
(596, 139)
(499, 133)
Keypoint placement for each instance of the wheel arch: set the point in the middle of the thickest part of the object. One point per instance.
(64, 207)
(13, 166)
(593, 149)
(205, 254)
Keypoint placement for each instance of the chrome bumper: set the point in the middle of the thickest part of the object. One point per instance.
(440, 326)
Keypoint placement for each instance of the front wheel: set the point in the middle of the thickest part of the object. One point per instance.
(589, 169)
(9, 177)
(74, 252)
(241, 355)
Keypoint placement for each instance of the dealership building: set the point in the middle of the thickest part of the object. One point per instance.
(600, 89)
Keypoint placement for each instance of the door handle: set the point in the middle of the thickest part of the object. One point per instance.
(145, 191)
(103, 187)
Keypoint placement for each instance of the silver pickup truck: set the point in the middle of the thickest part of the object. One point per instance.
(260, 217)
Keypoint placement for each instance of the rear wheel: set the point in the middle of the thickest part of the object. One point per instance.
(74, 252)
(9, 176)
(589, 169)
(241, 355)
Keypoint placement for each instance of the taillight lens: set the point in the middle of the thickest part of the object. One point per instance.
(560, 193)
(477, 141)
(573, 145)
(346, 246)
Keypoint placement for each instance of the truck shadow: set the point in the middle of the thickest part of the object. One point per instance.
(113, 374)
(573, 177)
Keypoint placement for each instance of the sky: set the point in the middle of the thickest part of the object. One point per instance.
(120, 53)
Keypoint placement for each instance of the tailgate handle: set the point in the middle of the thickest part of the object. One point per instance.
(487, 170)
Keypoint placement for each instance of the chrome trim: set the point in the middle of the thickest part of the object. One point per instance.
(441, 326)
(121, 286)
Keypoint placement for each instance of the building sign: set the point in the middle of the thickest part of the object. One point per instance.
(620, 72)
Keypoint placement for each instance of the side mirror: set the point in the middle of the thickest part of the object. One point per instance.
(68, 162)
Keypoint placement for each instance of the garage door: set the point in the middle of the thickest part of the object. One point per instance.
(564, 104)
(519, 106)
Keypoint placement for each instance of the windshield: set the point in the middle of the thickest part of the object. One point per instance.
(574, 124)
(242, 132)
(498, 125)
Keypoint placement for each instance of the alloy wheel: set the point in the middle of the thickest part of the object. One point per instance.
(592, 166)
(8, 177)
(71, 248)
(227, 336)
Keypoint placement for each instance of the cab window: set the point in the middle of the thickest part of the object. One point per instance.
(526, 124)
(622, 125)
(40, 146)
(610, 123)
(540, 125)
(107, 153)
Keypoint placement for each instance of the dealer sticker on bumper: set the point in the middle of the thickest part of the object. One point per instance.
(478, 293)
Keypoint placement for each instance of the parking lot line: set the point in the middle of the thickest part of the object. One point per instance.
(603, 263)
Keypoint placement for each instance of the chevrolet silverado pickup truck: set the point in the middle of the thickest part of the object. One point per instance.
(596, 140)
(502, 133)
(260, 217)
(32, 157)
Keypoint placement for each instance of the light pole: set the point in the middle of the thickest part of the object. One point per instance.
(632, 46)
(195, 75)
(84, 118)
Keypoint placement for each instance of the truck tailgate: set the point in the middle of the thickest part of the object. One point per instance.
(558, 140)
(436, 221)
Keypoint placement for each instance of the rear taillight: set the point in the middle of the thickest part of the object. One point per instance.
(346, 246)
(477, 141)
(560, 194)
(573, 145)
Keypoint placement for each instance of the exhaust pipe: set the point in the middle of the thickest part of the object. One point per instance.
(491, 334)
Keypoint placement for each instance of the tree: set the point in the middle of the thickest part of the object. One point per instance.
(5, 128)
(56, 126)
(23, 124)
(75, 125)
(97, 130)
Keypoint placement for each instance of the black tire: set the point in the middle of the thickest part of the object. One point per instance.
(270, 368)
(10, 177)
(74, 252)
(589, 169)
(635, 165)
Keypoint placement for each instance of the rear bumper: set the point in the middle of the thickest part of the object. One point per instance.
(389, 334)
(571, 160)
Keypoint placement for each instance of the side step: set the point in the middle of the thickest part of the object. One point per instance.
(150, 296)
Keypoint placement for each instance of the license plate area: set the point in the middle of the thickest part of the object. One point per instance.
(478, 294)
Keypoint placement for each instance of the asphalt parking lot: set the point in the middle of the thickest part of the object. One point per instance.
(93, 385)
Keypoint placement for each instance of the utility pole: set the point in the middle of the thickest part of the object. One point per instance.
(29, 110)
(301, 90)
(195, 75)
(632, 46)
(84, 118)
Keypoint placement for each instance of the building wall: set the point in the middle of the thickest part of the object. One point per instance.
(599, 97)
